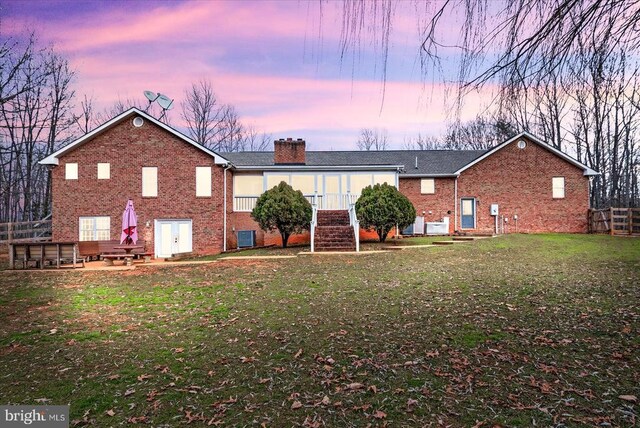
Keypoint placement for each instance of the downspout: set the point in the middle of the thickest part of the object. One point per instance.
(455, 205)
(224, 212)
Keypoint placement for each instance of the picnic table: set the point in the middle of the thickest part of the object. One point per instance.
(128, 257)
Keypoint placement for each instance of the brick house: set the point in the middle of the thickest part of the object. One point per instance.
(180, 188)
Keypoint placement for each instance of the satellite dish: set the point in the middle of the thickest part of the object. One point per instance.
(165, 102)
(151, 96)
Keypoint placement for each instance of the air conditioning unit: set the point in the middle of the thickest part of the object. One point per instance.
(246, 238)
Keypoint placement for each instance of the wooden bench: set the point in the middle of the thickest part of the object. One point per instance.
(53, 253)
(109, 258)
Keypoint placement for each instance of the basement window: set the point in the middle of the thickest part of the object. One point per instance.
(557, 184)
(427, 186)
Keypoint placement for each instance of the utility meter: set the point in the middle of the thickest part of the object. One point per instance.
(494, 209)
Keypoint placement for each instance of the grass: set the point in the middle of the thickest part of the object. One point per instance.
(512, 331)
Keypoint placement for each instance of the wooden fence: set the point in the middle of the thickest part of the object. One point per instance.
(25, 231)
(615, 221)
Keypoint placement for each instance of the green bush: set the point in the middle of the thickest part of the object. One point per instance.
(284, 209)
(382, 207)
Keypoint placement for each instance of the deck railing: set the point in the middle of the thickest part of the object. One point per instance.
(353, 221)
(328, 201)
(314, 222)
(26, 231)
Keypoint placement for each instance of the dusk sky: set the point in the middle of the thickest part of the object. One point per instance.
(277, 62)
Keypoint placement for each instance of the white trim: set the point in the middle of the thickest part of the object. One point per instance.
(587, 171)
(429, 175)
(311, 168)
(52, 159)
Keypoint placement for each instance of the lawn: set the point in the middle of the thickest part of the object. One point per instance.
(519, 330)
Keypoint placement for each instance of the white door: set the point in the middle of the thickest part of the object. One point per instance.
(172, 237)
(332, 199)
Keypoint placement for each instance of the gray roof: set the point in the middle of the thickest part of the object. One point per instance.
(430, 162)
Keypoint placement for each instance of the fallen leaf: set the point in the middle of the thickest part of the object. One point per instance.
(114, 376)
(128, 392)
(325, 400)
(631, 398)
(379, 414)
(110, 412)
(178, 350)
(297, 355)
(296, 405)
(373, 389)
(355, 386)
(144, 377)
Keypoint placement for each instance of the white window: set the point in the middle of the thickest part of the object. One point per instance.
(427, 186)
(71, 171)
(247, 185)
(104, 171)
(275, 179)
(95, 228)
(203, 181)
(390, 179)
(359, 182)
(149, 181)
(557, 183)
(305, 183)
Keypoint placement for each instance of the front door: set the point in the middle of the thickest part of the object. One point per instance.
(172, 237)
(468, 213)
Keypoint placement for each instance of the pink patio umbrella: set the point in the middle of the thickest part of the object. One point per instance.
(129, 234)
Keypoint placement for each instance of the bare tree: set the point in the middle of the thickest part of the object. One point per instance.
(420, 142)
(34, 121)
(373, 139)
(255, 141)
(215, 125)
(479, 134)
(565, 70)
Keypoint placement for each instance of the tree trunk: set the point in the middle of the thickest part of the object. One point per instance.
(285, 239)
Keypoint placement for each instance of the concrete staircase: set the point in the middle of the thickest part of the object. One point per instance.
(333, 232)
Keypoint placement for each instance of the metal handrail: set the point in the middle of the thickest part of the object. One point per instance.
(353, 221)
(314, 221)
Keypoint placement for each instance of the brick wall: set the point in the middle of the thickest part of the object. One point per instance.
(519, 180)
(128, 149)
(289, 151)
(434, 206)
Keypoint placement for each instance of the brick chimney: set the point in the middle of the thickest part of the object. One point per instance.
(289, 151)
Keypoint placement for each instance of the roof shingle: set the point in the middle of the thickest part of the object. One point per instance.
(429, 162)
